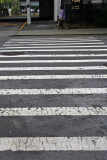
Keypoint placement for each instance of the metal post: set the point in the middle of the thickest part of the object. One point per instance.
(28, 12)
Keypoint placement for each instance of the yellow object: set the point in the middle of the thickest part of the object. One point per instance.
(23, 26)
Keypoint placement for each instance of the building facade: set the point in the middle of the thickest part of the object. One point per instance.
(49, 9)
(40, 9)
(76, 11)
(84, 11)
(46, 9)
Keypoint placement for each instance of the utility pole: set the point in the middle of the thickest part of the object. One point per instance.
(28, 12)
(57, 4)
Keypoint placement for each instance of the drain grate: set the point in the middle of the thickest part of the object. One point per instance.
(12, 53)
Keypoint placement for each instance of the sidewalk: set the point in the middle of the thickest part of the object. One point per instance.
(48, 29)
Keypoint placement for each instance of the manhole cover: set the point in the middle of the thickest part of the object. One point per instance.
(12, 53)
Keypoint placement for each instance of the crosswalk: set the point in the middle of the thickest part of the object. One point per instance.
(53, 94)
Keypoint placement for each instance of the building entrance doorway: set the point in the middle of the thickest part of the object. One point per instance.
(46, 9)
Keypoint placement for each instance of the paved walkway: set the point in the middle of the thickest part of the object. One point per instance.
(46, 29)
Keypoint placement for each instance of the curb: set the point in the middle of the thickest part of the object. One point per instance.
(66, 34)
(60, 32)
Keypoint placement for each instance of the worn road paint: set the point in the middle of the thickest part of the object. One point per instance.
(53, 144)
(52, 68)
(54, 111)
(55, 55)
(8, 24)
(53, 77)
(61, 46)
(52, 44)
(56, 40)
(53, 91)
(51, 50)
(55, 61)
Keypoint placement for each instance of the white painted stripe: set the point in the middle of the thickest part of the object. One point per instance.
(53, 91)
(56, 61)
(52, 50)
(68, 38)
(61, 46)
(56, 40)
(53, 77)
(54, 55)
(53, 144)
(79, 37)
(52, 68)
(54, 111)
(48, 44)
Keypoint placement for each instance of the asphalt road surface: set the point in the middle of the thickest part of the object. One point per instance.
(53, 98)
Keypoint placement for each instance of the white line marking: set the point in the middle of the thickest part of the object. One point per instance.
(32, 47)
(54, 111)
(53, 91)
(68, 38)
(54, 40)
(54, 55)
(79, 37)
(52, 68)
(53, 77)
(53, 144)
(48, 44)
(56, 61)
(52, 50)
